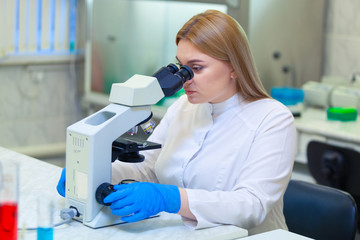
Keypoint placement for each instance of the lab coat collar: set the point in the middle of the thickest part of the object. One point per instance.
(219, 108)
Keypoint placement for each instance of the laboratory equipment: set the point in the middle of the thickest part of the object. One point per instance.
(317, 94)
(8, 221)
(93, 143)
(291, 97)
(9, 191)
(333, 80)
(343, 96)
(45, 218)
(341, 114)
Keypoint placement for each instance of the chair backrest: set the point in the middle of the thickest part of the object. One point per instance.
(334, 166)
(319, 212)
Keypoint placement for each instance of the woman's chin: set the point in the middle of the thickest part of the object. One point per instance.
(194, 100)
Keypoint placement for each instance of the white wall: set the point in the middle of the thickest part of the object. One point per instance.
(342, 38)
(37, 103)
(295, 31)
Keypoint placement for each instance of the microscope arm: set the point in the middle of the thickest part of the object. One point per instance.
(88, 158)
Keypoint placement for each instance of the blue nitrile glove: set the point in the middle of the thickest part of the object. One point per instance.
(61, 184)
(140, 200)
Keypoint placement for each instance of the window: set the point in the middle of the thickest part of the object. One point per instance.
(37, 27)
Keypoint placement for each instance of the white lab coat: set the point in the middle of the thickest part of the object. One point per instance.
(233, 158)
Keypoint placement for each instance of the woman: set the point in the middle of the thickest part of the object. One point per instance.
(227, 147)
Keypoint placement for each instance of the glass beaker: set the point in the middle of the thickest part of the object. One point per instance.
(9, 192)
(45, 218)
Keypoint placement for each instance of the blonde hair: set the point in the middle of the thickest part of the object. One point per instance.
(220, 36)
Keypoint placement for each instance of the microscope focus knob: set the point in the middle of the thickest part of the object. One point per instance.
(102, 191)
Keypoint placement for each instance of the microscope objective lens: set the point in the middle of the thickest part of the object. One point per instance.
(133, 131)
(148, 127)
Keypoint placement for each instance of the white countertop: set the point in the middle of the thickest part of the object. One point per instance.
(39, 179)
(278, 234)
(313, 125)
(314, 121)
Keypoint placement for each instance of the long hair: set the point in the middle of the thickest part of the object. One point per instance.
(220, 36)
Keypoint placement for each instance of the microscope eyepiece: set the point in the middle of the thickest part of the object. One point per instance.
(172, 68)
(171, 79)
(185, 73)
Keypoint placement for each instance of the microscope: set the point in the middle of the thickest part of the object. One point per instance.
(93, 143)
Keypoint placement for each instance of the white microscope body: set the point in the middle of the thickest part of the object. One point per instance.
(89, 144)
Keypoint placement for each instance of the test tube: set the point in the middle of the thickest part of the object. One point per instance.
(9, 191)
(45, 215)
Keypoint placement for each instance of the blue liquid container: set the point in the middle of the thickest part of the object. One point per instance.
(45, 233)
(287, 95)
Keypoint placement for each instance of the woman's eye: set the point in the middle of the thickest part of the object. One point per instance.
(196, 68)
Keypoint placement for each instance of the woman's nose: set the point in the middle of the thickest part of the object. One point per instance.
(188, 82)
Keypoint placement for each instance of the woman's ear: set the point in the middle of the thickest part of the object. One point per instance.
(233, 74)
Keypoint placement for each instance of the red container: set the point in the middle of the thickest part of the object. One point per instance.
(9, 191)
(8, 221)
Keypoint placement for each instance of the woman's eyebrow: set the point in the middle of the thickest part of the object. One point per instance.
(190, 61)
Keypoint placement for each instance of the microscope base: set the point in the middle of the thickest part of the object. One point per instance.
(103, 219)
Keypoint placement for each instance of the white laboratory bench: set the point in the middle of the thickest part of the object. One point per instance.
(278, 234)
(38, 179)
(313, 125)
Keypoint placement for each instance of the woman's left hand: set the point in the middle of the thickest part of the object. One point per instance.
(140, 200)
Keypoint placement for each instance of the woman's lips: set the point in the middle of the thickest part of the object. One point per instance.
(188, 92)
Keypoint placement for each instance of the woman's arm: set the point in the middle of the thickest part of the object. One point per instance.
(184, 208)
(261, 168)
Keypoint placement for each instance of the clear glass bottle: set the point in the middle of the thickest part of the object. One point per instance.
(45, 218)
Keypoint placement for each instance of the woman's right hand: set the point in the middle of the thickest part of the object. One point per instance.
(61, 184)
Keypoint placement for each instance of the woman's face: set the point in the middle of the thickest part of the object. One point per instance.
(212, 80)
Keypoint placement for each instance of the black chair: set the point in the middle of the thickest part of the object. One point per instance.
(335, 166)
(320, 212)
